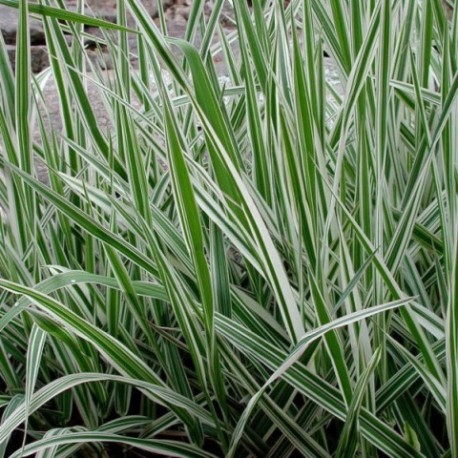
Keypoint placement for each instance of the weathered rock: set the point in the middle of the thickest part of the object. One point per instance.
(107, 14)
(102, 59)
(40, 58)
(227, 18)
(38, 55)
(9, 23)
(448, 6)
(106, 9)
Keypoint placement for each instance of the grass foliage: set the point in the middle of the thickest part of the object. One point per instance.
(261, 266)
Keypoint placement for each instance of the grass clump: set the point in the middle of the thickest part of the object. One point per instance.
(260, 266)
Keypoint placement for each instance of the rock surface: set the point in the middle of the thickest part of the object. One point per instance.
(39, 57)
(176, 14)
(9, 24)
(105, 9)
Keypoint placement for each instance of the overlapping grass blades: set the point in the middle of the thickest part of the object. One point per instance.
(263, 264)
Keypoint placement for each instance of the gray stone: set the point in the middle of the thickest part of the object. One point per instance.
(106, 9)
(448, 6)
(40, 59)
(102, 59)
(108, 15)
(38, 55)
(9, 23)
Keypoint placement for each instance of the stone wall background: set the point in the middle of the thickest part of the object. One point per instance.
(176, 13)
